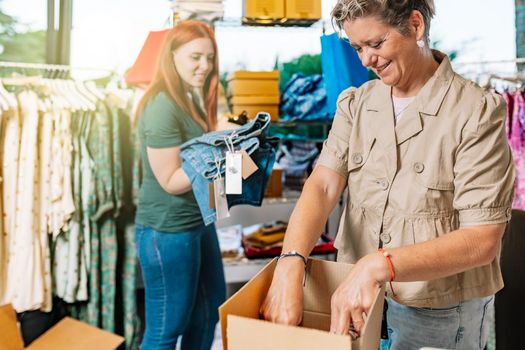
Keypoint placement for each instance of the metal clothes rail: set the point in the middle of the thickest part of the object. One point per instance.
(515, 60)
(55, 67)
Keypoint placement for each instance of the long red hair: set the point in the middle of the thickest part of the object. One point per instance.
(166, 78)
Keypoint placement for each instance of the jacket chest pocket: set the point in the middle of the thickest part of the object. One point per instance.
(358, 158)
(434, 181)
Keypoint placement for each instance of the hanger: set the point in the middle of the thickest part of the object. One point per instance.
(66, 100)
(92, 87)
(90, 98)
(4, 106)
(87, 103)
(487, 80)
(4, 102)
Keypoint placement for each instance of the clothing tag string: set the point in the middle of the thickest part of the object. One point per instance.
(228, 140)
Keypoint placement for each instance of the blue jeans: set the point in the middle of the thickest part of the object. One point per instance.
(204, 157)
(204, 152)
(184, 284)
(254, 128)
(463, 326)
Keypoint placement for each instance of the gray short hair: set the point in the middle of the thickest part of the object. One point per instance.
(392, 12)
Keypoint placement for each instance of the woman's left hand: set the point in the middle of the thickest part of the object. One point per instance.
(355, 296)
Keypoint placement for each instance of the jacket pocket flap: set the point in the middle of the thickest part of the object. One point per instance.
(359, 152)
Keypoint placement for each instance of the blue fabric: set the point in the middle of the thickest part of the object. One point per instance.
(304, 98)
(462, 326)
(184, 284)
(203, 156)
(342, 68)
(296, 161)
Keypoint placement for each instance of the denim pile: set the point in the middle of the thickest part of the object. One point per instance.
(297, 159)
(304, 98)
(204, 158)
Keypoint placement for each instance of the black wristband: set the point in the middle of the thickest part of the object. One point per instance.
(292, 253)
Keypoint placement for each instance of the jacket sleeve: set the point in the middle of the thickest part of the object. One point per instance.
(484, 168)
(334, 154)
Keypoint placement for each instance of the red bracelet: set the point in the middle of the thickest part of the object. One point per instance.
(391, 266)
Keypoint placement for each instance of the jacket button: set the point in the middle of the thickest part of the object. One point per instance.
(385, 237)
(357, 158)
(418, 167)
(383, 184)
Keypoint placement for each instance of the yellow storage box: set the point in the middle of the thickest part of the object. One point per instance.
(303, 9)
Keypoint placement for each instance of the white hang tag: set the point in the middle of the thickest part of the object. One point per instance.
(221, 204)
(233, 173)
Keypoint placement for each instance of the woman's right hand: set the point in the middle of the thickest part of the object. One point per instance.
(284, 302)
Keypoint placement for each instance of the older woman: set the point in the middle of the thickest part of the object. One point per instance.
(429, 174)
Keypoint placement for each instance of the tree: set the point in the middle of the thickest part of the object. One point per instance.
(20, 45)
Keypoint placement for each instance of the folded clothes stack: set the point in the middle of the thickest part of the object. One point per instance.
(204, 10)
(268, 236)
(266, 240)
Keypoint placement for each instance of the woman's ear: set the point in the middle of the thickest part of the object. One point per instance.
(417, 24)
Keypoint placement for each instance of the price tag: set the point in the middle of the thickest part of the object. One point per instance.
(248, 165)
(211, 195)
(233, 173)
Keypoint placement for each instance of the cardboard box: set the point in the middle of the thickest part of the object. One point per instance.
(253, 87)
(275, 184)
(259, 75)
(303, 9)
(255, 100)
(67, 334)
(246, 83)
(242, 328)
(252, 110)
(263, 9)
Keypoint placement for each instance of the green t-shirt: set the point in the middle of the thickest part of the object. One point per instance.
(164, 124)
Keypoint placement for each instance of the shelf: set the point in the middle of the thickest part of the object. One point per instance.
(287, 197)
(278, 23)
(315, 131)
(242, 270)
(239, 271)
(295, 122)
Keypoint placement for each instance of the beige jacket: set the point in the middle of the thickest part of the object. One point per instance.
(445, 165)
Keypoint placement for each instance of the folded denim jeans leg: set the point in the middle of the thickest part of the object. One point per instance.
(252, 129)
(199, 186)
(253, 188)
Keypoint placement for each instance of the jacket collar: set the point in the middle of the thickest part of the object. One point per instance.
(428, 101)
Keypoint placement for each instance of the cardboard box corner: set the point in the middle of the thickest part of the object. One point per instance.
(68, 334)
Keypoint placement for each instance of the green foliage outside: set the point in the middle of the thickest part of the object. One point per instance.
(25, 47)
(20, 45)
(306, 64)
(452, 54)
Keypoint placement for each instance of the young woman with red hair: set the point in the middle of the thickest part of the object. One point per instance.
(179, 256)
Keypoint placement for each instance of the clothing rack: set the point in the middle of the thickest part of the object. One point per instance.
(515, 60)
(54, 67)
(486, 80)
